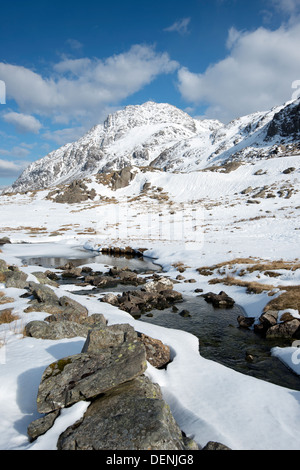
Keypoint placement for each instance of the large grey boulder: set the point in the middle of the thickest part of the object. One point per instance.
(70, 310)
(122, 178)
(65, 325)
(12, 276)
(43, 293)
(55, 330)
(95, 320)
(16, 279)
(132, 416)
(108, 337)
(61, 309)
(73, 193)
(86, 375)
(3, 266)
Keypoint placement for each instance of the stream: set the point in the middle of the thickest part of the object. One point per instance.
(220, 337)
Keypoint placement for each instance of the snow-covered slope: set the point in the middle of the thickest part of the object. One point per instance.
(130, 137)
(260, 134)
(162, 136)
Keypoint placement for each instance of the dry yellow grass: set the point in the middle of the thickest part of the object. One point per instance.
(180, 266)
(5, 300)
(253, 264)
(274, 265)
(289, 297)
(253, 287)
(209, 270)
(6, 316)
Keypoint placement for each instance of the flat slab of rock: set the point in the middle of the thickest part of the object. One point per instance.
(84, 376)
(69, 310)
(102, 337)
(41, 425)
(43, 293)
(55, 330)
(44, 279)
(133, 416)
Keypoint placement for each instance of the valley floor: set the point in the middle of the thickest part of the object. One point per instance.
(223, 222)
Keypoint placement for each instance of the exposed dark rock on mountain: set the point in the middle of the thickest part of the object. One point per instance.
(286, 123)
(76, 192)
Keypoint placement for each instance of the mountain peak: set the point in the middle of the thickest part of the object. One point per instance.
(147, 113)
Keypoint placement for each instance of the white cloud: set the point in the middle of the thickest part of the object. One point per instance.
(74, 44)
(290, 7)
(23, 123)
(79, 88)
(12, 169)
(16, 151)
(233, 36)
(180, 26)
(257, 74)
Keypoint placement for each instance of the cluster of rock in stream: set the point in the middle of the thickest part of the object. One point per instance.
(269, 326)
(126, 410)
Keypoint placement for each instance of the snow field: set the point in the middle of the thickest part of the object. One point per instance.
(209, 401)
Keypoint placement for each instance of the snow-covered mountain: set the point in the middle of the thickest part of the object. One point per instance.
(162, 136)
(257, 135)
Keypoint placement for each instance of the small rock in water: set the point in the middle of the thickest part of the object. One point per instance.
(185, 313)
(249, 357)
(245, 322)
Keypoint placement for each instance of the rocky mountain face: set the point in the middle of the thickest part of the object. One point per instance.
(286, 122)
(162, 136)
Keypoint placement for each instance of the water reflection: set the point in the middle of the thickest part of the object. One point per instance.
(137, 264)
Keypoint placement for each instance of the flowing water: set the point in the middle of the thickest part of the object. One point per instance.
(220, 337)
(223, 341)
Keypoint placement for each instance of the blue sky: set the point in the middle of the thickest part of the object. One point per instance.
(67, 64)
